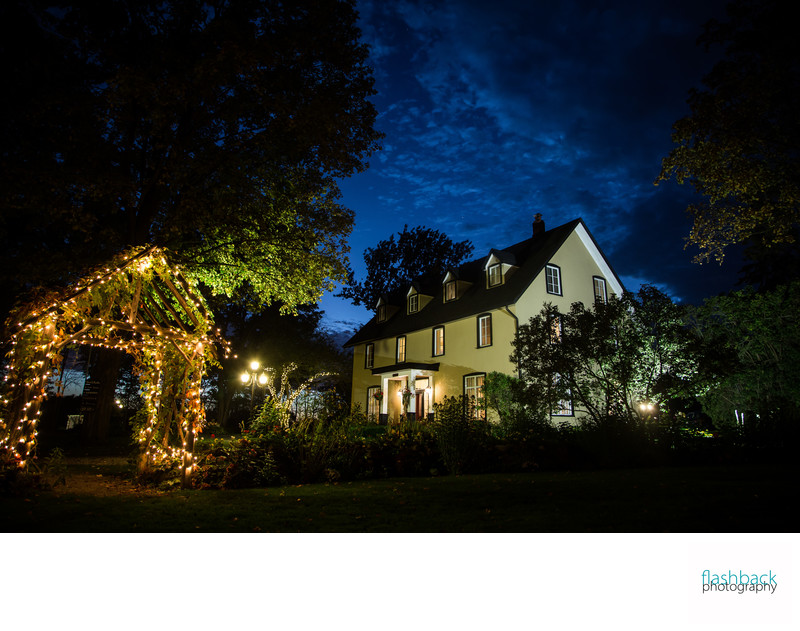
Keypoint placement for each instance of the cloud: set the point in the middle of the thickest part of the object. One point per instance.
(496, 110)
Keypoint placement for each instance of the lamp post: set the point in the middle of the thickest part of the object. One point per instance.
(250, 377)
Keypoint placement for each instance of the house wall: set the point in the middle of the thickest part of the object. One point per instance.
(578, 267)
(462, 355)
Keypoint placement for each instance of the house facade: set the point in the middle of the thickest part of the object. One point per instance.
(440, 337)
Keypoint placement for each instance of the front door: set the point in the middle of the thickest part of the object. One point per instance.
(420, 405)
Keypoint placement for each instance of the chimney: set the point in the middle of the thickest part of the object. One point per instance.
(538, 224)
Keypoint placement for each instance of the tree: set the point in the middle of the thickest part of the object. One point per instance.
(607, 359)
(394, 263)
(214, 129)
(751, 356)
(739, 146)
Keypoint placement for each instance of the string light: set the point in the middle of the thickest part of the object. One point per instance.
(170, 352)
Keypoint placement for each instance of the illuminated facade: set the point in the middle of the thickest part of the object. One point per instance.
(441, 336)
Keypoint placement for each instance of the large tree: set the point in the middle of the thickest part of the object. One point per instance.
(213, 128)
(395, 262)
(740, 145)
(749, 355)
(608, 359)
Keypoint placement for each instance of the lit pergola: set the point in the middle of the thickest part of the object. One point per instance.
(140, 304)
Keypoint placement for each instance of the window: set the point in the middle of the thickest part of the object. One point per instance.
(495, 275)
(599, 289)
(450, 291)
(381, 313)
(484, 330)
(555, 329)
(553, 279)
(563, 406)
(369, 356)
(374, 397)
(438, 341)
(413, 303)
(401, 349)
(473, 391)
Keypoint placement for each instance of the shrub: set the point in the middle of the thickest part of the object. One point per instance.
(238, 464)
(461, 435)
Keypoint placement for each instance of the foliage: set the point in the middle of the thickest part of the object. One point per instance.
(338, 448)
(738, 147)
(460, 433)
(270, 417)
(170, 352)
(393, 263)
(751, 356)
(217, 130)
(238, 464)
(283, 395)
(518, 408)
(607, 359)
(55, 467)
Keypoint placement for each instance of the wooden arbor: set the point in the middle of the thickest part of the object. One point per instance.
(139, 304)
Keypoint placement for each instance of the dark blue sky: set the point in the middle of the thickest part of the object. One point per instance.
(496, 110)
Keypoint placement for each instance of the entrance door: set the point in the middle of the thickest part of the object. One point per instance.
(420, 405)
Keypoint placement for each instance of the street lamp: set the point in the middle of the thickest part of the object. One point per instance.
(250, 377)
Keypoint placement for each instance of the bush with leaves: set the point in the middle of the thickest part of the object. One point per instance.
(241, 463)
(270, 418)
(461, 434)
(520, 410)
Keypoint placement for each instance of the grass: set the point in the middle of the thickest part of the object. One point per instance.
(679, 499)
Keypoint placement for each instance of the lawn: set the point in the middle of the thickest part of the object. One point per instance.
(676, 499)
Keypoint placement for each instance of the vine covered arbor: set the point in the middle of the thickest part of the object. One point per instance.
(139, 304)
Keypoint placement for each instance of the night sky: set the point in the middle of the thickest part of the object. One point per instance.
(496, 110)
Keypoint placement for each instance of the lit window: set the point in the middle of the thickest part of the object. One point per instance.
(401, 349)
(413, 303)
(450, 291)
(473, 391)
(438, 341)
(555, 329)
(553, 279)
(599, 289)
(495, 275)
(381, 313)
(369, 356)
(563, 406)
(485, 330)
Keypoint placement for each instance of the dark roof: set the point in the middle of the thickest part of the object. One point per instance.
(530, 256)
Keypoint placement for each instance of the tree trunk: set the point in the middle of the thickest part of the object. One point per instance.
(224, 397)
(97, 422)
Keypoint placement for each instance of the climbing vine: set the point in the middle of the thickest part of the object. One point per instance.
(139, 304)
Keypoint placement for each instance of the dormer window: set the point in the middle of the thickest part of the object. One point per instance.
(450, 291)
(495, 275)
(381, 313)
(413, 303)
